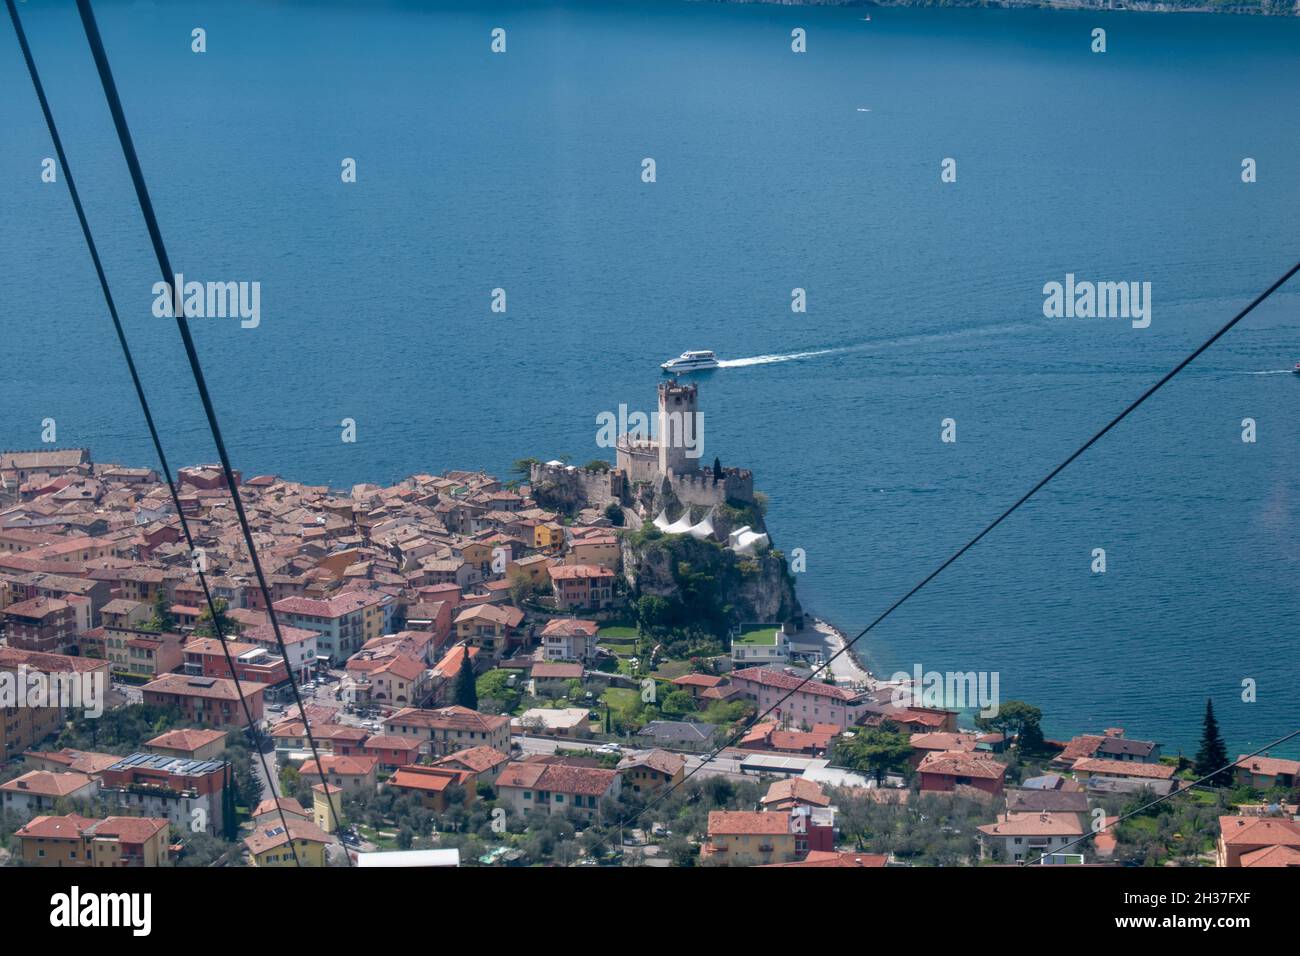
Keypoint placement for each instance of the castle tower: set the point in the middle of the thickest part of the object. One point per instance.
(681, 428)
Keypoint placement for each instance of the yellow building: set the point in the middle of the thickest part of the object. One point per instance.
(75, 841)
(327, 811)
(531, 569)
(372, 619)
(477, 555)
(747, 838)
(269, 845)
(488, 627)
(548, 537)
(603, 550)
(653, 771)
(23, 727)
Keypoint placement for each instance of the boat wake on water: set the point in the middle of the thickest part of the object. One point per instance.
(919, 339)
(769, 359)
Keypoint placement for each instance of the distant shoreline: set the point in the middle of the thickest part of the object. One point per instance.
(1273, 9)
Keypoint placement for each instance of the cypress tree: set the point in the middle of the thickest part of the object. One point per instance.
(465, 691)
(1213, 755)
(228, 825)
(162, 612)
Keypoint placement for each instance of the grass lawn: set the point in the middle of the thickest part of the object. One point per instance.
(369, 833)
(670, 670)
(756, 637)
(1146, 825)
(621, 641)
(622, 701)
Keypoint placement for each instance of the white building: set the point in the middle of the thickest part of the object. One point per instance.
(556, 722)
(755, 648)
(569, 639)
(1020, 836)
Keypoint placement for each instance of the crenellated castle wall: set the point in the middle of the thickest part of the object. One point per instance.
(580, 487)
(699, 488)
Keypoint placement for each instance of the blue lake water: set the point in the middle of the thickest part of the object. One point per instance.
(774, 171)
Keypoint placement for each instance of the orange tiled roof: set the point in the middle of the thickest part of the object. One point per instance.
(747, 822)
(1259, 831)
(186, 738)
(1269, 766)
(662, 761)
(477, 759)
(558, 778)
(45, 783)
(1125, 768)
(959, 763)
(798, 789)
(831, 858)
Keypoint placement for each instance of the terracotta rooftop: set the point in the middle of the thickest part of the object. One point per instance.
(743, 822)
(1125, 768)
(962, 764)
(189, 738)
(44, 783)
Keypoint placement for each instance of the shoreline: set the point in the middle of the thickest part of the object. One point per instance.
(1078, 6)
(850, 668)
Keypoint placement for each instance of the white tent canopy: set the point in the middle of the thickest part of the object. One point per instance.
(704, 529)
(681, 525)
(745, 540)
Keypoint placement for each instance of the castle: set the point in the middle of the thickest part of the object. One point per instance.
(669, 461)
(680, 431)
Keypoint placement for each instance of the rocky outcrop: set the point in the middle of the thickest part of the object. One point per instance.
(706, 584)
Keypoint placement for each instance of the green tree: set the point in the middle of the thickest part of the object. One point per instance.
(493, 685)
(874, 750)
(464, 691)
(677, 704)
(521, 589)
(524, 467)
(205, 626)
(1016, 719)
(1212, 758)
(200, 849)
(614, 512)
(652, 611)
(162, 619)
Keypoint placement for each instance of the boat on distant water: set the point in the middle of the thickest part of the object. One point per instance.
(1297, 368)
(691, 362)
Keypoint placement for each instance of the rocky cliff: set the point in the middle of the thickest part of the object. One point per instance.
(707, 585)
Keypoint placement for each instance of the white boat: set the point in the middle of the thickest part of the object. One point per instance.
(690, 362)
